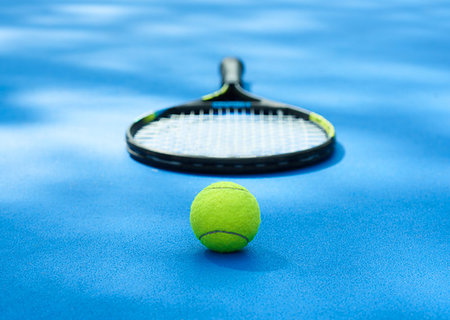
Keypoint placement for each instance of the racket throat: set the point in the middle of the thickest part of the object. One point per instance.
(231, 92)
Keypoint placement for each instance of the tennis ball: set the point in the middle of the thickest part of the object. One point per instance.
(225, 217)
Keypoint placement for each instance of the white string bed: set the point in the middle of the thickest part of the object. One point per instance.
(235, 133)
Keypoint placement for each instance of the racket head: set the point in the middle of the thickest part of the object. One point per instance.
(231, 131)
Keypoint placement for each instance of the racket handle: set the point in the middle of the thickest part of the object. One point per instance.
(231, 70)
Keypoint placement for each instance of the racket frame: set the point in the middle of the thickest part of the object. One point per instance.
(231, 94)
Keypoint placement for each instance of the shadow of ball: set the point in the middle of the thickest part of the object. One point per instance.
(248, 259)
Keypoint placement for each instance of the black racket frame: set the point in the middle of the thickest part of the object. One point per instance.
(231, 91)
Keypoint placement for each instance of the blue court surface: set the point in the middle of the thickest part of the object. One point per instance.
(86, 232)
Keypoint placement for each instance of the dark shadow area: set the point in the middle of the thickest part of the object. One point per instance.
(248, 259)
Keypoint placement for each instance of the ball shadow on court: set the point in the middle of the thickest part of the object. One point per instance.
(248, 259)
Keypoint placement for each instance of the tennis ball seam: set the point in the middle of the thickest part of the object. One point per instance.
(227, 232)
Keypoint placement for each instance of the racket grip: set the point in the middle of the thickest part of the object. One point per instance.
(231, 70)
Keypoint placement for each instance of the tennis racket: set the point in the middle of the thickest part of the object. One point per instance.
(231, 131)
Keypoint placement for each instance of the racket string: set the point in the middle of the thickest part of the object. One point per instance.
(230, 132)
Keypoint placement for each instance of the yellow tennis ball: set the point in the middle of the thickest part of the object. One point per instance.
(225, 217)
